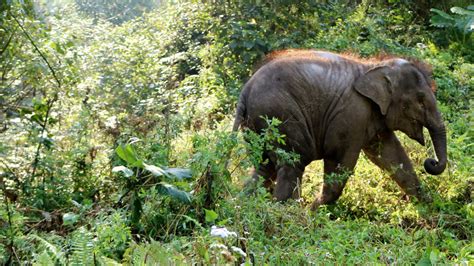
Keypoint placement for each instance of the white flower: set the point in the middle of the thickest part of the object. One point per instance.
(111, 122)
(218, 246)
(238, 250)
(221, 232)
(421, 45)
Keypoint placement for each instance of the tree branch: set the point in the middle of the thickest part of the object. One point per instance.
(43, 129)
(50, 102)
(8, 43)
(38, 50)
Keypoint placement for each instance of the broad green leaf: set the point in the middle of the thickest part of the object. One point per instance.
(470, 25)
(442, 14)
(130, 149)
(138, 163)
(154, 170)
(465, 25)
(126, 153)
(211, 215)
(462, 11)
(180, 173)
(70, 218)
(122, 169)
(441, 22)
(174, 192)
(120, 150)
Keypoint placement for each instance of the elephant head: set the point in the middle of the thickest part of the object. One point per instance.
(404, 92)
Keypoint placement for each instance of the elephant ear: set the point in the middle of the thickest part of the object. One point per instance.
(376, 85)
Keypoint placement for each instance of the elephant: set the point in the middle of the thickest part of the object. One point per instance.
(333, 106)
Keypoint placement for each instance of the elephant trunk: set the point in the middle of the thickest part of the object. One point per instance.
(438, 136)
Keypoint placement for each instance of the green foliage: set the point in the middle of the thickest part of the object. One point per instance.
(211, 153)
(211, 215)
(462, 21)
(116, 11)
(81, 247)
(101, 102)
(11, 233)
(113, 235)
(51, 252)
(270, 139)
(458, 27)
(135, 182)
(153, 253)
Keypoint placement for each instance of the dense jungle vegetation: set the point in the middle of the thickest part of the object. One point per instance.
(116, 143)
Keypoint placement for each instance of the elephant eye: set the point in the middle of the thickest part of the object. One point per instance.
(421, 103)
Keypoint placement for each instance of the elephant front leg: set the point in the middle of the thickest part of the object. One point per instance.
(336, 174)
(387, 153)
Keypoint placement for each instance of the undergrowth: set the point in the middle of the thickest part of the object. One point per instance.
(116, 143)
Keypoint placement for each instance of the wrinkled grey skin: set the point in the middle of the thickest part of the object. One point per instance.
(332, 107)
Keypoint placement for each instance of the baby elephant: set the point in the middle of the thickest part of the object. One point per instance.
(332, 106)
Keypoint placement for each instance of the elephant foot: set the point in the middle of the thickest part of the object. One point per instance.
(250, 186)
(419, 193)
(326, 198)
(315, 205)
(424, 197)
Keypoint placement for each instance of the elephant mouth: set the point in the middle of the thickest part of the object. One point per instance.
(417, 134)
(420, 139)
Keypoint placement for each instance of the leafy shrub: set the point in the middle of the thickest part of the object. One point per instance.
(161, 89)
(146, 175)
(458, 28)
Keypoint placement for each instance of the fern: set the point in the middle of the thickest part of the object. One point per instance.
(140, 256)
(153, 253)
(82, 247)
(44, 259)
(56, 252)
(107, 261)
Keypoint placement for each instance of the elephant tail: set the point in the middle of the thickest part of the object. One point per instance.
(241, 111)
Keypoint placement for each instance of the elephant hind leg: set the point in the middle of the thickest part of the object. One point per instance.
(335, 179)
(267, 172)
(288, 183)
